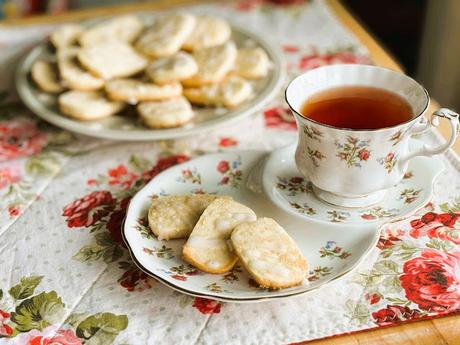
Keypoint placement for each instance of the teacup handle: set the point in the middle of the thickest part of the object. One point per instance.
(425, 150)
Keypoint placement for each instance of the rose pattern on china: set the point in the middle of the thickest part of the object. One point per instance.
(294, 185)
(231, 173)
(409, 195)
(353, 151)
(389, 161)
(312, 132)
(378, 213)
(315, 156)
(332, 250)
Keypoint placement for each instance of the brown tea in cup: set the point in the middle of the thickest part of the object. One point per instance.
(357, 107)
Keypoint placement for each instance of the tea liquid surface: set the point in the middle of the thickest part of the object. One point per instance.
(357, 107)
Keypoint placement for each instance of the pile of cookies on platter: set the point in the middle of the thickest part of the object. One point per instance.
(221, 231)
(161, 68)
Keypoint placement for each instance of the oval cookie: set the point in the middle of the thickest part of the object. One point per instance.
(66, 36)
(44, 74)
(166, 35)
(73, 75)
(87, 105)
(177, 67)
(252, 63)
(207, 247)
(112, 59)
(230, 93)
(172, 217)
(133, 91)
(208, 32)
(213, 64)
(269, 254)
(170, 113)
(123, 28)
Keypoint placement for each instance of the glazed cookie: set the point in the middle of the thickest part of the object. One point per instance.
(252, 63)
(177, 67)
(44, 74)
(269, 254)
(111, 59)
(66, 36)
(213, 64)
(133, 91)
(170, 113)
(175, 216)
(229, 93)
(166, 35)
(208, 32)
(73, 75)
(124, 28)
(207, 247)
(87, 105)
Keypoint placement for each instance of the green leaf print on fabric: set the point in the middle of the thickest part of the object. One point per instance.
(101, 328)
(451, 207)
(104, 249)
(25, 288)
(357, 312)
(43, 164)
(38, 312)
(1, 294)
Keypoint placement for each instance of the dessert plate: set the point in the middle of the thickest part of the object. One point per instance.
(332, 250)
(286, 187)
(127, 127)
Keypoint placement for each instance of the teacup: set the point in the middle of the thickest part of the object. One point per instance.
(354, 167)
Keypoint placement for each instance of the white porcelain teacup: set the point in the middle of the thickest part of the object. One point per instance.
(354, 167)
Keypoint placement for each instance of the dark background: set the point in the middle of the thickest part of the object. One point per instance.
(398, 24)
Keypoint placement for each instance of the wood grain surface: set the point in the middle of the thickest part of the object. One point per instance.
(438, 331)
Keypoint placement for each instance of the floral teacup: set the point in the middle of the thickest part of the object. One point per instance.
(354, 167)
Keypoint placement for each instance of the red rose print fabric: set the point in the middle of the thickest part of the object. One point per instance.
(20, 138)
(434, 225)
(88, 209)
(431, 280)
(207, 306)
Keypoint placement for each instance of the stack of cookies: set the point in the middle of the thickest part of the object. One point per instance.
(160, 69)
(221, 231)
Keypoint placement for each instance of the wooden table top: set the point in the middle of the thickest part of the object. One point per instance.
(438, 331)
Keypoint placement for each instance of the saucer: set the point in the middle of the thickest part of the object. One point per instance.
(332, 250)
(285, 186)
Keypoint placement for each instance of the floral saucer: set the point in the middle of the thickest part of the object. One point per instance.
(331, 251)
(286, 187)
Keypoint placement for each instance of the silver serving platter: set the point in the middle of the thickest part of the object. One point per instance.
(126, 125)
